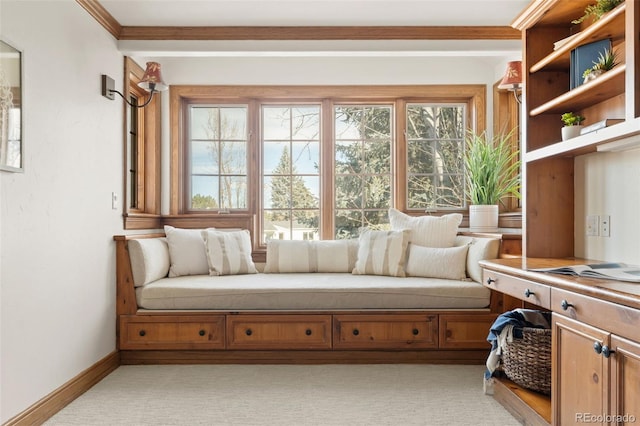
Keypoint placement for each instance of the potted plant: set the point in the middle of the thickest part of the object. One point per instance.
(605, 62)
(598, 10)
(572, 125)
(492, 170)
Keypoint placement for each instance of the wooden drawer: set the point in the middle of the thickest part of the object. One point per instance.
(617, 319)
(530, 291)
(465, 331)
(385, 331)
(172, 332)
(279, 331)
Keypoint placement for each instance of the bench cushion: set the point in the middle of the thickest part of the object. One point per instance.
(310, 291)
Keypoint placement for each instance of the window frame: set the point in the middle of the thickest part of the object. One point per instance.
(146, 214)
(473, 95)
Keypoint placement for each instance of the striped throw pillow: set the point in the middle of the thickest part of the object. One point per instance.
(229, 253)
(382, 253)
(285, 256)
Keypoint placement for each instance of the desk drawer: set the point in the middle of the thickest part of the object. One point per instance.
(530, 291)
(617, 319)
(385, 331)
(279, 332)
(167, 332)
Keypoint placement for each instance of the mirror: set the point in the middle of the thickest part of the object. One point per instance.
(10, 108)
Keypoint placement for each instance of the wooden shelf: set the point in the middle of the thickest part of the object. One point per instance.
(609, 26)
(528, 407)
(609, 84)
(585, 144)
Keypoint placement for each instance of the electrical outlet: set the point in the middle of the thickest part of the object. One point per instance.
(593, 227)
(605, 225)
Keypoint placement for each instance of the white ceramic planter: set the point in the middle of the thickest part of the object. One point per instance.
(483, 218)
(569, 132)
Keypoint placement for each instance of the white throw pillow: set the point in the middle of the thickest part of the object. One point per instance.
(480, 248)
(229, 253)
(427, 231)
(186, 251)
(149, 259)
(437, 262)
(382, 253)
(311, 256)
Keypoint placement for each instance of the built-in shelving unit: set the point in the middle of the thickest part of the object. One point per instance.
(548, 162)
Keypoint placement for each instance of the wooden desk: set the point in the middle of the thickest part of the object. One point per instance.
(595, 343)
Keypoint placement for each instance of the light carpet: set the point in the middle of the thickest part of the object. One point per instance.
(379, 394)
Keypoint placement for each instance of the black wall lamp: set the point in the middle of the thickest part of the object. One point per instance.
(151, 82)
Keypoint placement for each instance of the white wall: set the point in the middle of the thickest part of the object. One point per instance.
(57, 260)
(609, 184)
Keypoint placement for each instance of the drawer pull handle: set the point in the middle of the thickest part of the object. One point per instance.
(528, 293)
(142, 333)
(565, 305)
(201, 332)
(602, 350)
(308, 332)
(490, 281)
(597, 346)
(415, 331)
(248, 332)
(356, 332)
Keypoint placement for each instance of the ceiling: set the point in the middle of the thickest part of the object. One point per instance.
(302, 13)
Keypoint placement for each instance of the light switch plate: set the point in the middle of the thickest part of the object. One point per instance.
(593, 226)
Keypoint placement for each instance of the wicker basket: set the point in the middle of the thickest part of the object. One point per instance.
(527, 361)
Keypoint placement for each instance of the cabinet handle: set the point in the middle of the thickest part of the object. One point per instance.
(201, 332)
(248, 332)
(415, 331)
(606, 352)
(597, 346)
(356, 332)
(490, 281)
(142, 333)
(528, 293)
(308, 332)
(565, 305)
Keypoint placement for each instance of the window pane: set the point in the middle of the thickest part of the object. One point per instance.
(378, 192)
(305, 123)
(306, 157)
(204, 190)
(276, 123)
(348, 158)
(348, 223)
(233, 192)
(204, 158)
(218, 157)
(435, 149)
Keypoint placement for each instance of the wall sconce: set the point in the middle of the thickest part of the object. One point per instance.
(512, 80)
(151, 82)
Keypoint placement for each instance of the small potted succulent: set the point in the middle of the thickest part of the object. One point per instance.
(572, 125)
(605, 62)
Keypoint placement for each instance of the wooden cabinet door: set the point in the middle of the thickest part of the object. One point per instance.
(579, 375)
(625, 381)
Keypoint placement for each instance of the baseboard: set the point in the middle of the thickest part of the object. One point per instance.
(302, 357)
(44, 409)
